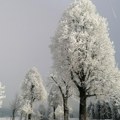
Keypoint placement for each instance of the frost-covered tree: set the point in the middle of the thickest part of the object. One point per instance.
(64, 87)
(42, 111)
(54, 99)
(91, 111)
(83, 53)
(106, 112)
(2, 92)
(15, 106)
(32, 90)
(115, 111)
(102, 110)
(98, 110)
(59, 112)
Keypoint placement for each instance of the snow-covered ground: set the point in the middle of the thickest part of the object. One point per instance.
(7, 118)
(4, 118)
(73, 118)
(16, 119)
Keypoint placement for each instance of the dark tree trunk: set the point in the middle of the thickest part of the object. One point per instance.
(54, 116)
(66, 109)
(82, 109)
(29, 116)
(31, 102)
(13, 115)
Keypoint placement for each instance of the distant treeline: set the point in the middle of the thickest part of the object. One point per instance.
(103, 110)
(5, 112)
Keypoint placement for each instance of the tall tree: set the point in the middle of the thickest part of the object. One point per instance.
(83, 53)
(32, 90)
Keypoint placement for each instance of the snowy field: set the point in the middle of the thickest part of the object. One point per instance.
(74, 119)
(16, 119)
(7, 118)
(69, 119)
(4, 118)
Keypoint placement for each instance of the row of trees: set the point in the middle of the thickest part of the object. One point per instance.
(83, 64)
(32, 94)
(103, 110)
(32, 90)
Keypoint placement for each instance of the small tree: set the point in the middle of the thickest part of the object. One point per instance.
(54, 99)
(102, 110)
(91, 111)
(59, 112)
(108, 109)
(32, 90)
(115, 112)
(41, 112)
(15, 106)
(98, 110)
(2, 96)
(64, 87)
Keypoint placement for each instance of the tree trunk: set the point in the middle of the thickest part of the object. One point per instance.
(54, 116)
(26, 117)
(29, 116)
(13, 115)
(66, 109)
(31, 102)
(21, 116)
(82, 109)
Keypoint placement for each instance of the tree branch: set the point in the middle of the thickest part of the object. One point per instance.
(75, 82)
(91, 95)
(60, 88)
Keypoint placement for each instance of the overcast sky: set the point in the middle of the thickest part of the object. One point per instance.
(26, 28)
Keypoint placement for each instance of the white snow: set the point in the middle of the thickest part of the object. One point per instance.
(7, 118)
(73, 118)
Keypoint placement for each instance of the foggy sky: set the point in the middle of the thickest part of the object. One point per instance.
(26, 28)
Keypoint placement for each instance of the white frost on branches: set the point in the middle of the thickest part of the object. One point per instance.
(54, 98)
(59, 112)
(82, 46)
(2, 96)
(26, 108)
(34, 79)
(32, 90)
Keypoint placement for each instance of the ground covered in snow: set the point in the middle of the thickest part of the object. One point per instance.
(74, 119)
(16, 119)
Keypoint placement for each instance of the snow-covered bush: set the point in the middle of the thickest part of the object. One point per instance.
(2, 93)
